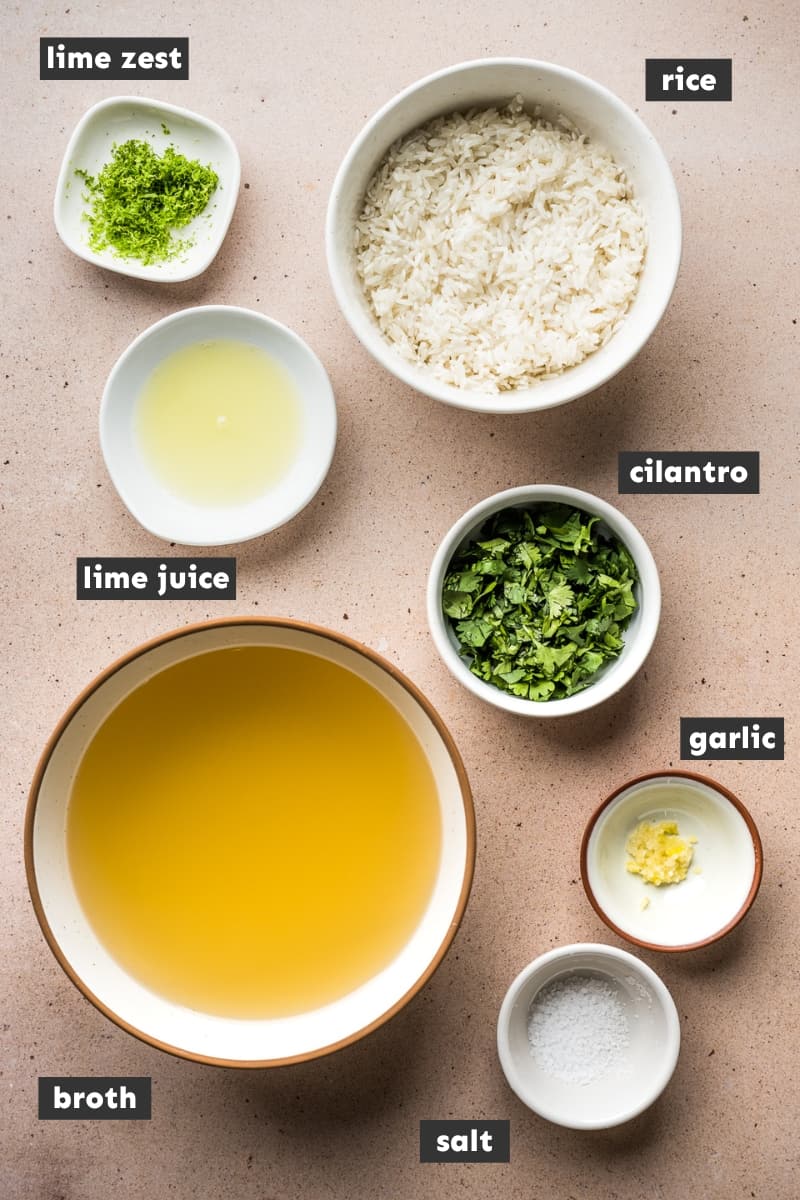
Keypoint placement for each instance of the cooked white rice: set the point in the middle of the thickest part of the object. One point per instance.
(496, 249)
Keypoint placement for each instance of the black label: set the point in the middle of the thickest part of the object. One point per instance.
(156, 578)
(94, 1098)
(687, 471)
(731, 737)
(113, 58)
(464, 1141)
(688, 79)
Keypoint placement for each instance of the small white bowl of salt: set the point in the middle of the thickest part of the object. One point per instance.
(588, 1036)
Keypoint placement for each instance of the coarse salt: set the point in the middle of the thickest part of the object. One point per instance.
(578, 1029)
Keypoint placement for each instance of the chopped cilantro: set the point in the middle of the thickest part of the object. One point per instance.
(140, 197)
(539, 603)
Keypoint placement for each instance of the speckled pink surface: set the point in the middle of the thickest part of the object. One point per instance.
(293, 85)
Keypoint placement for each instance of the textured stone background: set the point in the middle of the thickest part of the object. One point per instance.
(293, 85)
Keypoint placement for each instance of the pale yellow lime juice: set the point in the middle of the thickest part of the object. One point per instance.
(219, 422)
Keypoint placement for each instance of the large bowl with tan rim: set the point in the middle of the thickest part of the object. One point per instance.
(183, 1030)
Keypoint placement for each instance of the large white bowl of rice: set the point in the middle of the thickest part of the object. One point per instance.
(504, 235)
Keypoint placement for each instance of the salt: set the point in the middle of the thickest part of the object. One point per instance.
(578, 1029)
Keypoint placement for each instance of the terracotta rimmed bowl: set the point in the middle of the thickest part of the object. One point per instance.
(184, 1031)
(723, 878)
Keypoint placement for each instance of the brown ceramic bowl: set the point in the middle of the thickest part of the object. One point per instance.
(723, 878)
(185, 1031)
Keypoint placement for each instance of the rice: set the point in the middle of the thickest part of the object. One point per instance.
(497, 249)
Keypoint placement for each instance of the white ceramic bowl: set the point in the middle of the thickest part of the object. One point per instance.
(638, 636)
(723, 878)
(117, 120)
(647, 1061)
(159, 510)
(595, 111)
(188, 1032)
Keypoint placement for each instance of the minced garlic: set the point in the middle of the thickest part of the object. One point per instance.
(658, 853)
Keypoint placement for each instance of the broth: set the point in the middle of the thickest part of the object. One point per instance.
(254, 832)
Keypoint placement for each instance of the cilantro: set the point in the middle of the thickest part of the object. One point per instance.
(140, 197)
(540, 603)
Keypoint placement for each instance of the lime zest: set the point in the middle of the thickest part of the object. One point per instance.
(140, 198)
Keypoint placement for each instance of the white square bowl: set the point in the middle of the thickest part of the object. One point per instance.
(118, 119)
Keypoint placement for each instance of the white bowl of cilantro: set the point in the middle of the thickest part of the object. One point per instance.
(543, 600)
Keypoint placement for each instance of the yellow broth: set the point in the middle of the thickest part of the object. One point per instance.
(254, 832)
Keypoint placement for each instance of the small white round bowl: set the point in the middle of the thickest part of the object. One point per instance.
(638, 636)
(723, 879)
(647, 1062)
(118, 119)
(159, 510)
(189, 1032)
(596, 112)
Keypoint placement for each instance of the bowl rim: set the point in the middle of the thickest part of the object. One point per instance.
(283, 623)
(758, 865)
(534, 494)
(500, 403)
(180, 315)
(135, 270)
(602, 950)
